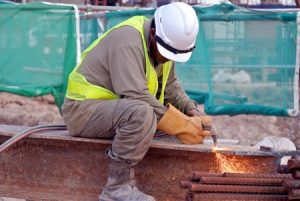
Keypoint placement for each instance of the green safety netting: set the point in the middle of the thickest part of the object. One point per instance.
(37, 48)
(245, 61)
(90, 29)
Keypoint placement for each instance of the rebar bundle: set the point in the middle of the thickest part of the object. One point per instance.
(245, 186)
(293, 167)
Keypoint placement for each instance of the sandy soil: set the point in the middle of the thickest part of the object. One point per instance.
(18, 110)
(248, 129)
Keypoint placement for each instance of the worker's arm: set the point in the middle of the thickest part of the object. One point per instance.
(127, 70)
(175, 95)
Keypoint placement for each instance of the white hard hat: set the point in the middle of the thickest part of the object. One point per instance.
(176, 31)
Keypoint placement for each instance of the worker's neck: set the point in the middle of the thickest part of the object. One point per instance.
(152, 56)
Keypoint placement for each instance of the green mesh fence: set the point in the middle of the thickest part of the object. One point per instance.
(90, 29)
(37, 48)
(245, 61)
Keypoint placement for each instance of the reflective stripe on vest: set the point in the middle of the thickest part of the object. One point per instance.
(80, 89)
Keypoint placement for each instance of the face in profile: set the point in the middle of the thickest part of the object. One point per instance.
(154, 50)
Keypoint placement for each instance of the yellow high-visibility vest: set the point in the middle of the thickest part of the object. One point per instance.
(80, 89)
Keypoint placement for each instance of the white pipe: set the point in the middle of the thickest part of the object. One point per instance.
(295, 111)
(78, 44)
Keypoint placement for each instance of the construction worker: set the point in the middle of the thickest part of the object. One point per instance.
(125, 88)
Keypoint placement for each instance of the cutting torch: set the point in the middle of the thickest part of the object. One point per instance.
(213, 131)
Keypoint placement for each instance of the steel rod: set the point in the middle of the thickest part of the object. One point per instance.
(255, 175)
(244, 197)
(291, 183)
(197, 175)
(237, 189)
(241, 181)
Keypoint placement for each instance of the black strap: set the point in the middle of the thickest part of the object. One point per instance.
(172, 49)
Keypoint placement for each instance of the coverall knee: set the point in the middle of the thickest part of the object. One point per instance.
(131, 123)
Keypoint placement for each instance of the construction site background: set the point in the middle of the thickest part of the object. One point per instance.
(156, 3)
(248, 129)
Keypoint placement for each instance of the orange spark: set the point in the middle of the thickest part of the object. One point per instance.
(230, 164)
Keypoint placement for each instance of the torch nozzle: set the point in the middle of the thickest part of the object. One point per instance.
(214, 137)
(213, 131)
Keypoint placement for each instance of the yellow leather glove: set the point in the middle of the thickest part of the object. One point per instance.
(187, 129)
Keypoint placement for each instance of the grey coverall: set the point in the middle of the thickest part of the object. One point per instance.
(117, 63)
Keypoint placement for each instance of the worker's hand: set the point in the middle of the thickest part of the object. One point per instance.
(194, 112)
(188, 130)
(206, 121)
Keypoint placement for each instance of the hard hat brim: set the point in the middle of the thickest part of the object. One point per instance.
(182, 57)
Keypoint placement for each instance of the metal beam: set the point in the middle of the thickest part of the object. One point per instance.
(54, 166)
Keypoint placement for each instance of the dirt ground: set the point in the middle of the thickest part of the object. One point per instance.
(248, 129)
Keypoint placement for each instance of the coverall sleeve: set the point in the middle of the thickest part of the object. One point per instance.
(127, 70)
(175, 95)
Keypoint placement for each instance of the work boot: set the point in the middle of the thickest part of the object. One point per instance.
(120, 185)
